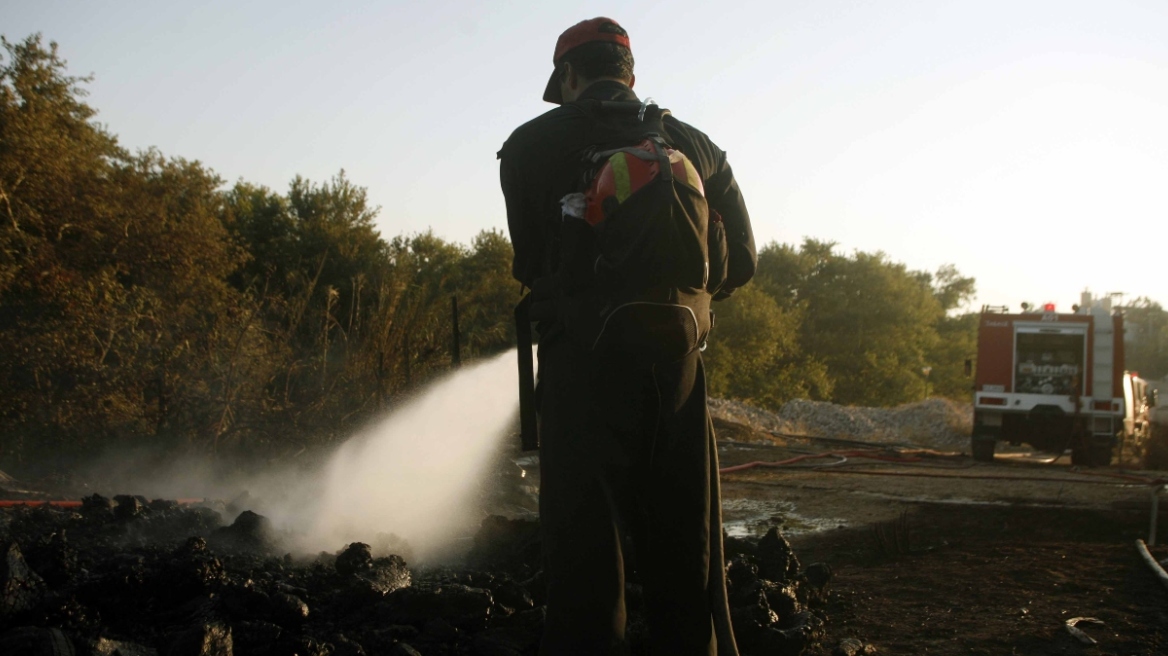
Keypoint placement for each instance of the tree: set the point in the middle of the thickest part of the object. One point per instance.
(1146, 327)
(488, 294)
(175, 254)
(956, 333)
(261, 224)
(754, 353)
(56, 290)
(952, 290)
(112, 273)
(956, 343)
(873, 323)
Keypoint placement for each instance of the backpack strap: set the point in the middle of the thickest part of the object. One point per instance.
(642, 108)
(659, 155)
(622, 121)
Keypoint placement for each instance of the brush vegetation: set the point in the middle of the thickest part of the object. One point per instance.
(142, 300)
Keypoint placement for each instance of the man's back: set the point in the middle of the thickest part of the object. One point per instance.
(542, 162)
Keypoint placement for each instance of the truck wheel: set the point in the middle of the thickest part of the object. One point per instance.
(982, 448)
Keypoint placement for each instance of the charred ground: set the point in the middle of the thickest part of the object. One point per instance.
(132, 576)
(967, 559)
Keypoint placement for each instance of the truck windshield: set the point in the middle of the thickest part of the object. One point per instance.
(1048, 364)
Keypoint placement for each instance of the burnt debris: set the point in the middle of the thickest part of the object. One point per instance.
(133, 576)
(776, 606)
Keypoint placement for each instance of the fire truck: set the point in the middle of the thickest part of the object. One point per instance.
(1057, 381)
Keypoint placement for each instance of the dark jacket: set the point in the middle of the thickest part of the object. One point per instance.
(542, 162)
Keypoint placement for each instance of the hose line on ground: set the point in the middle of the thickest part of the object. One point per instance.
(869, 454)
(60, 503)
(1151, 561)
(914, 457)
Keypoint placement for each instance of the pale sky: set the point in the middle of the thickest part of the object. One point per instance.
(1026, 142)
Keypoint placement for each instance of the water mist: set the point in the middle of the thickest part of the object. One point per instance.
(416, 473)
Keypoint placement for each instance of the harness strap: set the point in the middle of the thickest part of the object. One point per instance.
(659, 155)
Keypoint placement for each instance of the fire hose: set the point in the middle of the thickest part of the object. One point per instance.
(12, 503)
(1151, 561)
(872, 455)
(65, 503)
(908, 458)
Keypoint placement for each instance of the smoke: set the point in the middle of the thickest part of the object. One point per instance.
(416, 473)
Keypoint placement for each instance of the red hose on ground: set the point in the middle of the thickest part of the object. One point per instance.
(983, 477)
(12, 503)
(873, 454)
(1126, 477)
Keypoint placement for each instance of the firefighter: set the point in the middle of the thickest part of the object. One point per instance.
(627, 455)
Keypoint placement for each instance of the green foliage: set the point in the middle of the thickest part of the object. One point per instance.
(859, 328)
(874, 324)
(113, 282)
(871, 322)
(487, 295)
(1146, 327)
(754, 354)
(139, 301)
(956, 334)
(956, 343)
(951, 289)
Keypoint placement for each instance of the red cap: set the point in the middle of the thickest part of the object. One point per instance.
(596, 29)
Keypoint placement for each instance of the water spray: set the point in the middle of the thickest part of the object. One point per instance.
(417, 472)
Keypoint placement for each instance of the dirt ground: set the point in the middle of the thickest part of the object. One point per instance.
(941, 555)
(932, 553)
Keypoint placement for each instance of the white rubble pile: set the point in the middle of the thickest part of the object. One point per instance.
(933, 423)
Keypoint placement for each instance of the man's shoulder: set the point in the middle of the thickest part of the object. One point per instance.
(541, 131)
(685, 130)
(695, 143)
